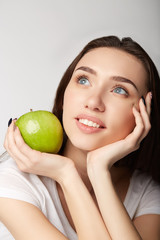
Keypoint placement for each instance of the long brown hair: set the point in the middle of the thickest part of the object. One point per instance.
(147, 157)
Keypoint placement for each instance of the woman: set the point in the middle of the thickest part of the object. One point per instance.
(104, 182)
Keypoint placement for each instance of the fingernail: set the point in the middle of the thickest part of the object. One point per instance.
(151, 95)
(9, 122)
(143, 100)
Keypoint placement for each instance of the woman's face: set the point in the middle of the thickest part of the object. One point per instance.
(98, 100)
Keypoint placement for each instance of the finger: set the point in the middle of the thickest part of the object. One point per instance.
(145, 118)
(11, 146)
(139, 128)
(7, 136)
(24, 148)
(134, 137)
(26, 158)
(148, 102)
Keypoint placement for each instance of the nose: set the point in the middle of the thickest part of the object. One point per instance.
(95, 103)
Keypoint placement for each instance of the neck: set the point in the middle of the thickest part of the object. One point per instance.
(79, 158)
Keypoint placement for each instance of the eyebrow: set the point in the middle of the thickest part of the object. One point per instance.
(125, 80)
(87, 69)
(115, 78)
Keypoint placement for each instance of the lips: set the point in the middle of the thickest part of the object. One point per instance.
(90, 122)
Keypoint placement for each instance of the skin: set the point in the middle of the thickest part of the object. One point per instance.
(85, 170)
(97, 97)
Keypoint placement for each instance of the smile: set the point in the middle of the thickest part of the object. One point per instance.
(89, 123)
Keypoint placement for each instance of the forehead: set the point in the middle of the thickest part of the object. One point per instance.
(106, 56)
(111, 61)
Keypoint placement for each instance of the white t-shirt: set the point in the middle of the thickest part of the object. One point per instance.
(143, 196)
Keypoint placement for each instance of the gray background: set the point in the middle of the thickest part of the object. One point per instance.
(39, 39)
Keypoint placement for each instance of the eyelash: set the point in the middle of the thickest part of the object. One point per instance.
(80, 77)
(122, 87)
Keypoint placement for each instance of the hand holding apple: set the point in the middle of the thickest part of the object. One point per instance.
(41, 130)
(36, 162)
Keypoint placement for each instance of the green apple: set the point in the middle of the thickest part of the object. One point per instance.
(41, 130)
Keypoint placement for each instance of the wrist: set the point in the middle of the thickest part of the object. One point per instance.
(98, 162)
(68, 176)
(96, 172)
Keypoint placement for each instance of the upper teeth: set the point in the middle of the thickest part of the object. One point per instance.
(89, 123)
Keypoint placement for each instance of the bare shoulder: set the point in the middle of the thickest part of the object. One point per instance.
(148, 226)
(26, 221)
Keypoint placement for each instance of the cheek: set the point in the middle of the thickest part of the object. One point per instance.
(123, 121)
(69, 107)
(67, 103)
(70, 102)
(67, 96)
(129, 122)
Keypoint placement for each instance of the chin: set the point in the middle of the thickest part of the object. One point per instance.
(86, 146)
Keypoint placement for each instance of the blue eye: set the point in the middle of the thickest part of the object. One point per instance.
(83, 81)
(120, 90)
